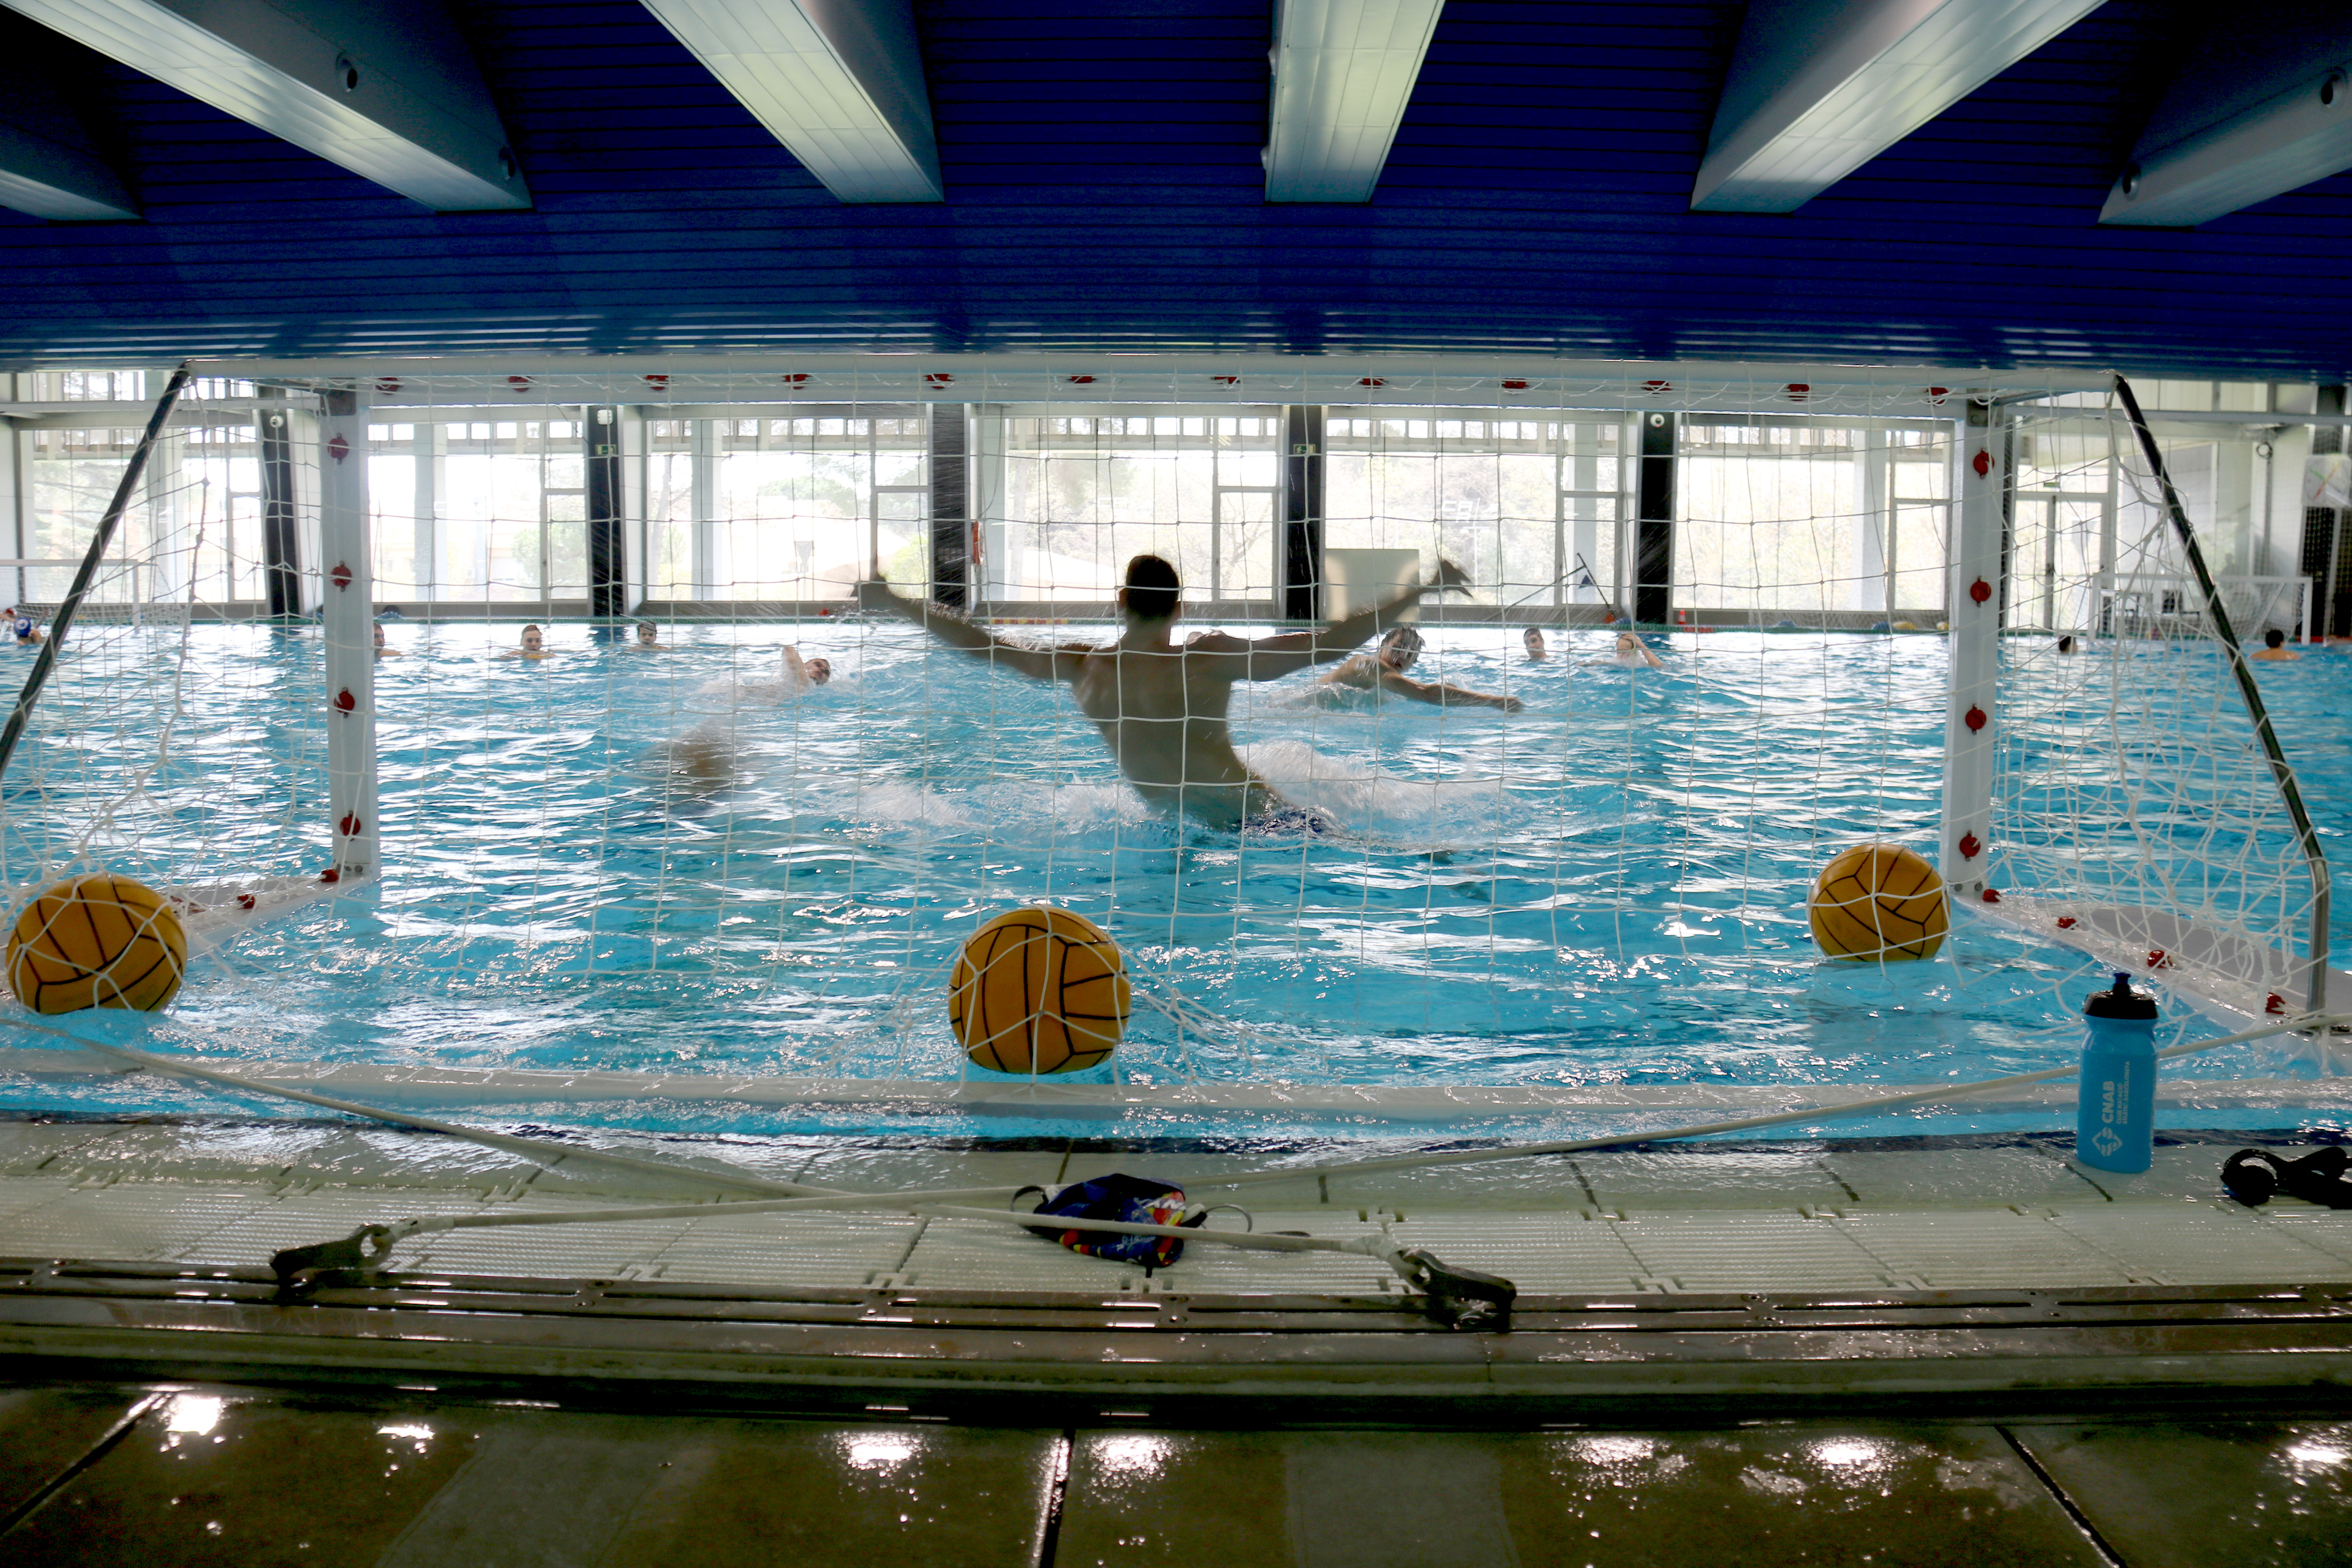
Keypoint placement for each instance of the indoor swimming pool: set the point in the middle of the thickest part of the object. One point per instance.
(678, 863)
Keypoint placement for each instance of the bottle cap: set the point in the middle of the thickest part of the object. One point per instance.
(2123, 1002)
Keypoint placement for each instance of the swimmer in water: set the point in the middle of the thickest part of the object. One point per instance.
(21, 631)
(1631, 653)
(2067, 644)
(1533, 638)
(1161, 705)
(805, 675)
(535, 645)
(648, 641)
(1383, 670)
(383, 648)
(2275, 646)
(701, 763)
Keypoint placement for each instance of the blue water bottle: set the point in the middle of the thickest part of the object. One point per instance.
(2114, 1116)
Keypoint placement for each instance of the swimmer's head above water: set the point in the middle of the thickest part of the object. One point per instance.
(1399, 649)
(1153, 591)
(803, 674)
(534, 645)
(1534, 639)
(1633, 653)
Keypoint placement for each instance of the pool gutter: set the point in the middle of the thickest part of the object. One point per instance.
(167, 1321)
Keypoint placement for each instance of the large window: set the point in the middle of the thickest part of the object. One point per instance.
(2066, 512)
(1070, 497)
(808, 506)
(511, 512)
(1777, 513)
(400, 508)
(482, 511)
(99, 386)
(1785, 515)
(193, 527)
(676, 551)
(68, 476)
(1528, 507)
(788, 509)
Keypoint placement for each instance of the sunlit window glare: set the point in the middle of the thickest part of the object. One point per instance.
(1128, 1457)
(1847, 1451)
(1615, 1450)
(877, 1452)
(194, 1414)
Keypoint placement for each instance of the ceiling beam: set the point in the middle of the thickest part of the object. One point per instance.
(54, 178)
(2261, 106)
(384, 87)
(48, 165)
(1819, 88)
(1343, 72)
(839, 82)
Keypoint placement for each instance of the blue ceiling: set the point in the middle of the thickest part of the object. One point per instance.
(1105, 193)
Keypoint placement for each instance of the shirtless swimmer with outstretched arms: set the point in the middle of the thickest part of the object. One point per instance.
(1162, 705)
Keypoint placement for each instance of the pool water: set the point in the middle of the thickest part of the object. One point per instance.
(671, 862)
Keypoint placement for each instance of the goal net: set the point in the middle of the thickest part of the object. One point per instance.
(716, 839)
(178, 738)
(2140, 812)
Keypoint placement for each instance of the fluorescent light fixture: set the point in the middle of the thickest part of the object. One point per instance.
(2299, 136)
(1343, 72)
(839, 82)
(1819, 88)
(384, 87)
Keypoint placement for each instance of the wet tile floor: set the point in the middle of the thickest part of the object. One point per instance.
(186, 1474)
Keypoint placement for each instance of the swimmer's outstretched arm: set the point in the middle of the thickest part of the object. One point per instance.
(1270, 659)
(1044, 663)
(1439, 694)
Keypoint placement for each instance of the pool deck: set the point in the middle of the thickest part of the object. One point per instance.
(1839, 1272)
(255, 1477)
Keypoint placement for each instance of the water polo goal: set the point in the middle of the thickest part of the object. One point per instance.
(686, 885)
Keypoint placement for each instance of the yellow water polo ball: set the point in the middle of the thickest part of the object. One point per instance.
(1878, 901)
(1039, 990)
(97, 941)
